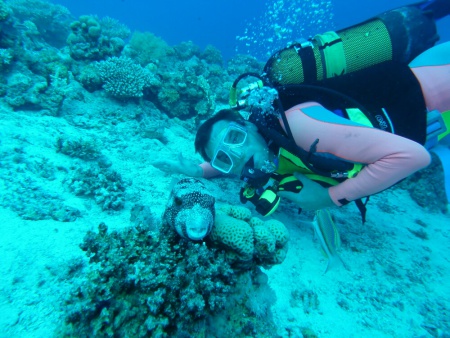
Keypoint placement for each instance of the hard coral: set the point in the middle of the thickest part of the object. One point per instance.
(50, 20)
(123, 78)
(185, 90)
(105, 186)
(5, 11)
(142, 284)
(88, 41)
(249, 241)
(234, 234)
(146, 47)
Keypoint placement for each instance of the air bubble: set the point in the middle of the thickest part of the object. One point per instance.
(284, 22)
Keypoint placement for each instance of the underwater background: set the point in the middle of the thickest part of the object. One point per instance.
(230, 25)
(91, 94)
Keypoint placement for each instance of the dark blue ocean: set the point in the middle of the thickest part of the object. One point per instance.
(257, 27)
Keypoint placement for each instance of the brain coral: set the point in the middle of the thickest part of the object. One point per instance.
(248, 240)
(279, 231)
(234, 234)
(264, 241)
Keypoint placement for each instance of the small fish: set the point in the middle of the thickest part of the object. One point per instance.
(190, 209)
(328, 235)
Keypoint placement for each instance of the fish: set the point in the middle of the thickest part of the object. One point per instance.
(328, 235)
(190, 210)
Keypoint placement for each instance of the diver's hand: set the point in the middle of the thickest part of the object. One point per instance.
(179, 166)
(312, 196)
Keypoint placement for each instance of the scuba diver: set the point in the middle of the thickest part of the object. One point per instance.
(337, 118)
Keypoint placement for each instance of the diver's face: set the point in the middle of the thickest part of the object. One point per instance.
(254, 146)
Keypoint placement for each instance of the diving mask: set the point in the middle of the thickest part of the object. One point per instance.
(230, 148)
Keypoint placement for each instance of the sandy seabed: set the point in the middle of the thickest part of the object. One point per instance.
(397, 286)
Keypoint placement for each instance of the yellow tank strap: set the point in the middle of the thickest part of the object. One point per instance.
(333, 53)
(446, 118)
(356, 115)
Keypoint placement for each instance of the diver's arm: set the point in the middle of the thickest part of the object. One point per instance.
(185, 167)
(208, 171)
(179, 166)
(388, 157)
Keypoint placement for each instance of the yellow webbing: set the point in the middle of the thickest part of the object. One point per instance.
(446, 118)
(289, 163)
(333, 53)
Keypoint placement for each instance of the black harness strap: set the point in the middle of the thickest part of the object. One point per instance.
(306, 54)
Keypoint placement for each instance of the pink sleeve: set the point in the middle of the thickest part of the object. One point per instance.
(389, 157)
(209, 171)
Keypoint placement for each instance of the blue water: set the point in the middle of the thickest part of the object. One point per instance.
(81, 133)
(220, 22)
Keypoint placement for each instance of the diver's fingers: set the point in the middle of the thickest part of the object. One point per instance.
(182, 160)
(288, 194)
(165, 164)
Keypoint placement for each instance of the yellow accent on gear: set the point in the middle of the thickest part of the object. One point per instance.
(357, 167)
(271, 197)
(446, 118)
(356, 48)
(289, 164)
(356, 115)
(233, 96)
(333, 53)
(323, 179)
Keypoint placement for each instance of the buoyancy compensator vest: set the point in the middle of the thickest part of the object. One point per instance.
(261, 105)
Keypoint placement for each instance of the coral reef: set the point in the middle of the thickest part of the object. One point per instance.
(90, 41)
(249, 241)
(38, 74)
(5, 11)
(26, 182)
(145, 283)
(113, 28)
(146, 47)
(185, 89)
(425, 187)
(123, 78)
(104, 185)
(32, 201)
(44, 19)
(38, 77)
(6, 56)
(86, 149)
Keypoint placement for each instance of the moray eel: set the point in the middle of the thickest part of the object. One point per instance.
(190, 209)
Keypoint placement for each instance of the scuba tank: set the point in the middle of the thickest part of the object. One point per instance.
(375, 55)
(395, 36)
